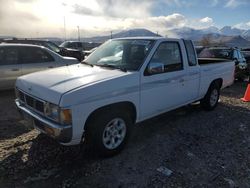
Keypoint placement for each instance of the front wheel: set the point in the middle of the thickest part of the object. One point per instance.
(108, 132)
(210, 101)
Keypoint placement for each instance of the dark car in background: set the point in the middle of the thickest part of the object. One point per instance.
(227, 53)
(73, 48)
(82, 48)
(50, 45)
(80, 45)
(246, 53)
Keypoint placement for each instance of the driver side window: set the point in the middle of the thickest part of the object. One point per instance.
(169, 55)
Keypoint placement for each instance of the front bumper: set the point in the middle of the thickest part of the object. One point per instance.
(61, 133)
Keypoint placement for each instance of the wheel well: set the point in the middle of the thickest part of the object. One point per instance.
(126, 106)
(218, 82)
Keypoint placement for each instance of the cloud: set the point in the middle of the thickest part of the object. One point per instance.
(116, 8)
(235, 3)
(79, 9)
(160, 23)
(201, 23)
(243, 25)
(15, 21)
(207, 20)
(26, 18)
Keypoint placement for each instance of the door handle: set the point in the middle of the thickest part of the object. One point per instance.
(50, 67)
(181, 80)
(14, 69)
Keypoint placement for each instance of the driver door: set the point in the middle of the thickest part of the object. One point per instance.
(163, 90)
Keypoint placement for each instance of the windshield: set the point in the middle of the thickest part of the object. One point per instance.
(53, 47)
(215, 53)
(126, 54)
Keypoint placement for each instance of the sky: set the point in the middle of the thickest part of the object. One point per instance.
(63, 18)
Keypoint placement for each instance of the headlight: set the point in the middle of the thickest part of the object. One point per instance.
(62, 116)
(51, 111)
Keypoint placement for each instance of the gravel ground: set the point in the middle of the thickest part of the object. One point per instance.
(187, 147)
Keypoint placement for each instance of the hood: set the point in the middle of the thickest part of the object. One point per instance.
(51, 84)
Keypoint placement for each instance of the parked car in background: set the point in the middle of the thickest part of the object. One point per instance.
(246, 53)
(48, 44)
(227, 53)
(21, 59)
(88, 52)
(72, 45)
(68, 52)
(73, 48)
(82, 49)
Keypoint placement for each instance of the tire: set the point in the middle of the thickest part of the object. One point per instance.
(210, 101)
(108, 132)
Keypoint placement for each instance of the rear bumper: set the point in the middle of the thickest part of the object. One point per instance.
(61, 133)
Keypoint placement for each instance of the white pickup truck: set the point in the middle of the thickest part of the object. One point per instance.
(125, 81)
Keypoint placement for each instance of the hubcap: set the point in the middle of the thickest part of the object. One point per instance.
(114, 133)
(214, 97)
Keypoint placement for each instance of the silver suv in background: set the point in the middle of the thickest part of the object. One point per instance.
(21, 59)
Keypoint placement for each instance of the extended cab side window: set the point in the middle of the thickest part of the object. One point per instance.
(192, 60)
(169, 55)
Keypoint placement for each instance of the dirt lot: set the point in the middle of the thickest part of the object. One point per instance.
(196, 148)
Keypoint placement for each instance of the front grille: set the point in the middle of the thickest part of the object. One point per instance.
(40, 106)
(31, 102)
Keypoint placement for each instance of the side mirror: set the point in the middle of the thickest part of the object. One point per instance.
(155, 68)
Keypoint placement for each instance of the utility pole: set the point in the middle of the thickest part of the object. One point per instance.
(64, 21)
(78, 33)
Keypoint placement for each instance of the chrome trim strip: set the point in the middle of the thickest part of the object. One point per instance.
(193, 73)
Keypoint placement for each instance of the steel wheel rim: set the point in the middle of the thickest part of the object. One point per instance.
(214, 97)
(114, 133)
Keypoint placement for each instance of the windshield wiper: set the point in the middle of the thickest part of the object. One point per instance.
(113, 67)
(86, 63)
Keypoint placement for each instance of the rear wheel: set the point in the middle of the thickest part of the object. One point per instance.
(108, 132)
(210, 101)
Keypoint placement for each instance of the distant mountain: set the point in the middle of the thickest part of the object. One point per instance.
(227, 35)
(193, 34)
(211, 29)
(246, 34)
(125, 33)
(232, 41)
(229, 31)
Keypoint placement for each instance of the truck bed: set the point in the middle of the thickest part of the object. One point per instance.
(205, 61)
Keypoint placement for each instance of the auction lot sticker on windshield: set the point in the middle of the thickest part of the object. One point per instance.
(141, 42)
